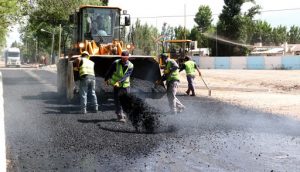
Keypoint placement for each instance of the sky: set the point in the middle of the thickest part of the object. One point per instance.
(147, 9)
(156, 12)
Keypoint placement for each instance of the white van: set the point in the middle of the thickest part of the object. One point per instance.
(12, 57)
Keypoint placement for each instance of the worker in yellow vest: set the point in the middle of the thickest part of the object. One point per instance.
(119, 77)
(171, 75)
(190, 68)
(87, 82)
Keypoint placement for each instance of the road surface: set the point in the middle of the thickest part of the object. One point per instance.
(44, 133)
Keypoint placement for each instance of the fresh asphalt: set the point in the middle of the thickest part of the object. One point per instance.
(45, 133)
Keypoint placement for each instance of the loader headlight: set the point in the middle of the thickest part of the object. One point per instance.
(130, 47)
(81, 45)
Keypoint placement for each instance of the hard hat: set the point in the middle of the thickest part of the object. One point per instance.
(85, 53)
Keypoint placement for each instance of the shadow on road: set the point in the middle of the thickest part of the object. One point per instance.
(95, 121)
(126, 128)
(59, 105)
(200, 112)
(50, 97)
(169, 129)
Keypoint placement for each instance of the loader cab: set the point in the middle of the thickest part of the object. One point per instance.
(99, 23)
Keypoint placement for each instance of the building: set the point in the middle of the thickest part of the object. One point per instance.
(282, 50)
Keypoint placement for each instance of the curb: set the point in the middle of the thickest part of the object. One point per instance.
(2, 130)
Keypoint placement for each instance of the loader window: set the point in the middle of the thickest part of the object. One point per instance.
(101, 25)
(100, 22)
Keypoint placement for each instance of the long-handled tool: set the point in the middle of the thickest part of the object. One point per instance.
(209, 90)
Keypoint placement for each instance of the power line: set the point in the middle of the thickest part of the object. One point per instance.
(287, 9)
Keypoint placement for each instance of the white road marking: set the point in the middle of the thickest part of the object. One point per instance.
(2, 130)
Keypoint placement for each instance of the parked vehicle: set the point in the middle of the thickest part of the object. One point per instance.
(12, 57)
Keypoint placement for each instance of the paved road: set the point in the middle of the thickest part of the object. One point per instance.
(44, 133)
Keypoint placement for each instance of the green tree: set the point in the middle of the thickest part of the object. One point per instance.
(168, 32)
(203, 18)
(143, 37)
(181, 33)
(294, 35)
(234, 25)
(280, 35)
(262, 32)
(11, 11)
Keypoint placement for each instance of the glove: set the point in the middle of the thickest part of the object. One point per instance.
(163, 78)
(166, 71)
(76, 69)
(117, 84)
(158, 82)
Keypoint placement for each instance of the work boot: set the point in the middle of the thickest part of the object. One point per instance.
(121, 117)
(83, 111)
(95, 109)
(193, 93)
(187, 92)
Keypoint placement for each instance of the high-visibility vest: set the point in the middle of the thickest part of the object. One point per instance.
(190, 67)
(173, 76)
(87, 67)
(118, 74)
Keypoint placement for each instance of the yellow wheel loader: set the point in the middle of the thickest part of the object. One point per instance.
(176, 49)
(97, 30)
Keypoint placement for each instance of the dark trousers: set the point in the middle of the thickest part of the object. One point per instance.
(119, 91)
(190, 79)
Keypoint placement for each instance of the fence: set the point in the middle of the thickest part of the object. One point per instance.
(249, 62)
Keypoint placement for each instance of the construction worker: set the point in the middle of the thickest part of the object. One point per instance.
(87, 82)
(171, 75)
(119, 77)
(190, 68)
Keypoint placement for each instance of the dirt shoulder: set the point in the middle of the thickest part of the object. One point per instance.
(274, 91)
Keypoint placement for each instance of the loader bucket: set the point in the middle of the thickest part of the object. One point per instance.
(143, 79)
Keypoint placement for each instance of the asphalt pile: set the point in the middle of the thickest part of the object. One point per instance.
(147, 89)
(142, 116)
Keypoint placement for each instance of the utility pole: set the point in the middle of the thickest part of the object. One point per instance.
(59, 43)
(36, 50)
(216, 40)
(27, 54)
(52, 48)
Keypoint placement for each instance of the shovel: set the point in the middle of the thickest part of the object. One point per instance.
(209, 90)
